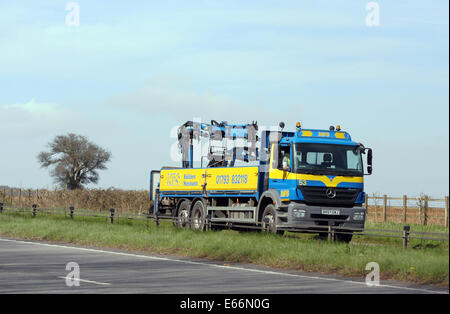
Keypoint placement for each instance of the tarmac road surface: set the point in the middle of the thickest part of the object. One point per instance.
(37, 267)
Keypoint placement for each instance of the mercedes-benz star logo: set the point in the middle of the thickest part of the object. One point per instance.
(331, 193)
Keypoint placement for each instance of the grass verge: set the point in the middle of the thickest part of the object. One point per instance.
(425, 265)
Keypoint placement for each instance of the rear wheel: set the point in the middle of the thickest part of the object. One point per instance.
(183, 215)
(269, 219)
(198, 216)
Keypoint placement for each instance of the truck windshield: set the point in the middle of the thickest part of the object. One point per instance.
(327, 159)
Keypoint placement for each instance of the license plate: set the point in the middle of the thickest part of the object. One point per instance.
(331, 212)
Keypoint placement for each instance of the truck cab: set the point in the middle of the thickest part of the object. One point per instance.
(319, 178)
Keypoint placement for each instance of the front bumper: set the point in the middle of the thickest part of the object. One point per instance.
(318, 218)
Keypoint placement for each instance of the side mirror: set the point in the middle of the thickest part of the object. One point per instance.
(369, 161)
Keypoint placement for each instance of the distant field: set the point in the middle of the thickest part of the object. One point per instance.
(423, 264)
(408, 209)
(94, 199)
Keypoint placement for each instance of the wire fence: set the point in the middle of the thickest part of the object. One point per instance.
(331, 232)
(422, 209)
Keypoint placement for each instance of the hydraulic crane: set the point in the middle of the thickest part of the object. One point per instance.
(218, 156)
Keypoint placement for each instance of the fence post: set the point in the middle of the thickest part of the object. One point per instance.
(420, 205)
(331, 234)
(425, 210)
(71, 208)
(446, 211)
(34, 207)
(405, 202)
(406, 230)
(384, 207)
(376, 207)
(111, 217)
(1, 208)
(149, 214)
(156, 219)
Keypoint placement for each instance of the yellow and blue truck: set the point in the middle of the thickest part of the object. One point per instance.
(304, 180)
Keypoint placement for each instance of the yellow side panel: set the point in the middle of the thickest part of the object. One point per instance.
(182, 180)
(340, 135)
(232, 179)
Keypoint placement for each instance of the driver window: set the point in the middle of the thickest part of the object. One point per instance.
(284, 160)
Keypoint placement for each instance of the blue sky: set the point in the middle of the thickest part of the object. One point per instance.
(132, 71)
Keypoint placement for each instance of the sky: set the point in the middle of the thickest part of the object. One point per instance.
(130, 72)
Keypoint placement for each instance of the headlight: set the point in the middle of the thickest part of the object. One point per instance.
(299, 213)
(358, 216)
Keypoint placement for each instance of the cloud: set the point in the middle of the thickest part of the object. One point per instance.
(34, 108)
(36, 118)
(170, 96)
(37, 121)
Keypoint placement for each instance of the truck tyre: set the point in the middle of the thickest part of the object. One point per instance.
(269, 219)
(198, 216)
(183, 215)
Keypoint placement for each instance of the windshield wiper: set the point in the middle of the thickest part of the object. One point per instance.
(333, 173)
(306, 171)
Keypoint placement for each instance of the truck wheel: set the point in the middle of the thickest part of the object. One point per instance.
(183, 215)
(198, 216)
(269, 219)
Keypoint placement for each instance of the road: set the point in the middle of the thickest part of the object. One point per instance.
(36, 267)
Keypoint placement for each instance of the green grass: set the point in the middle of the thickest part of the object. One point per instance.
(424, 265)
(396, 241)
(414, 227)
(415, 243)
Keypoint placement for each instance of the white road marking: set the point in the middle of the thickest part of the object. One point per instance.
(225, 267)
(88, 281)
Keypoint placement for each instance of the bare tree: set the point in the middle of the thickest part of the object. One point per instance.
(74, 160)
